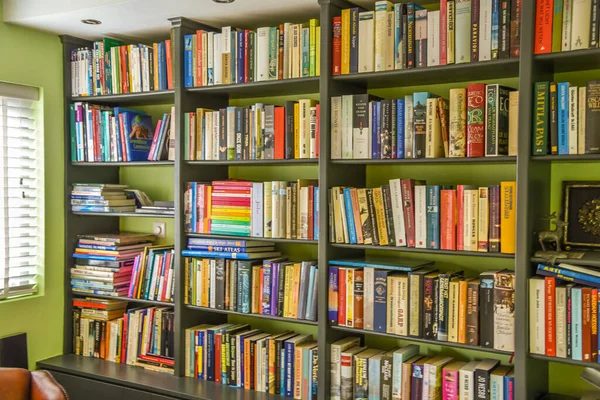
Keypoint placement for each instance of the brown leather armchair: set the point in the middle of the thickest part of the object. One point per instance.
(21, 384)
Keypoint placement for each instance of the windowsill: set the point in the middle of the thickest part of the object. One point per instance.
(21, 298)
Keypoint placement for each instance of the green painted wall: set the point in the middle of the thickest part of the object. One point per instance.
(35, 58)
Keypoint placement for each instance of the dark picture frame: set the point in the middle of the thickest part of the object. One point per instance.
(581, 210)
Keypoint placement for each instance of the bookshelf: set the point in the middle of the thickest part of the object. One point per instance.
(533, 176)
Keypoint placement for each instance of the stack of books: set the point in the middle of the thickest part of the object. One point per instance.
(564, 25)
(157, 207)
(478, 121)
(153, 274)
(242, 55)
(258, 132)
(141, 337)
(104, 262)
(412, 214)
(107, 134)
(414, 299)
(567, 118)
(400, 36)
(100, 197)
(283, 363)
(276, 209)
(359, 372)
(275, 286)
(111, 67)
(563, 312)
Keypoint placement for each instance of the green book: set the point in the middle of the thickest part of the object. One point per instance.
(540, 121)
(108, 44)
(557, 26)
(313, 23)
(273, 52)
(305, 42)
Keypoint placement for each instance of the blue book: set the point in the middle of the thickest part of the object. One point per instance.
(282, 366)
(509, 385)
(162, 78)
(495, 27)
(397, 264)
(374, 372)
(354, 40)
(376, 132)
(433, 217)
(576, 332)
(233, 58)
(380, 300)
(266, 294)
(159, 140)
(289, 368)
(314, 356)
(188, 61)
(224, 254)
(97, 257)
(332, 310)
(138, 135)
(193, 201)
(210, 348)
(225, 242)
(243, 289)
(241, 54)
(316, 212)
(228, 249)
(400, 127)
(398, 35)
(568, 275)
(563, 118)
(349, 215)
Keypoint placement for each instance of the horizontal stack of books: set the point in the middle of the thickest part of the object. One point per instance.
(400, 36)
(412, 214)
(564, 25)
(141, 337)
(111, 67)
(359, 372)
(242, 55)
(258, 132)
(157, 207)
(567, 118)
(275, 287)
(283, 363)
(563, 312)
(275, 209)
(414, 299)
(104, 262)
(153, 274)
(100, 197)
(478, 121)
(107, 134)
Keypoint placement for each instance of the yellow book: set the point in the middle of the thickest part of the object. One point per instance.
(226, 63)
(337, 215)
(350, 297)
(296, 130)
(194, 60)
(226, 217)
(365, 223)
(155, 47)
(187, 283)
(289, 271)
(255, 295)
(380, 215)
(462, 311)
(433, 130)
(457, 140)
(345, 41)
(130, 64)
(318, 55)
(295, 290)
(450, 34)
(205, 269)
(508, 211)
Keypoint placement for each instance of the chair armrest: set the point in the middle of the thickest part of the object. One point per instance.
(45, 387)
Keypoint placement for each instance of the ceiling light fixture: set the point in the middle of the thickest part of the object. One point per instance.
(90, 21)
(223, 1)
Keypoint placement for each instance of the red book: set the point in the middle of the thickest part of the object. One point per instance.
(408, 200)
(550, 285)
(169, 56)
(516, 7)
(342, 296)
(232, 182)
(198, 58)
(311, 211)
(543, 26)
(279, 133)
(336, 62)
(154, 140)
(280, 52)
(444, 32)
(231, 202)
(460, 215)
(318, 134)
(448, 219)
(246, 55)
(124, 338)
(242, 190)
(594, 325)
(476, 120)
(124, 70)
(359, 295)
(217, 355)
(586, 319)
(122, 137)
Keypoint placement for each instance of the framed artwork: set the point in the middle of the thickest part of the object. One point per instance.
(581, 201)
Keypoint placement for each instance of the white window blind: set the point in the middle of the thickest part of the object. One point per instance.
(21, 192)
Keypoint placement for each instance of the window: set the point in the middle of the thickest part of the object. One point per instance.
(21, 191)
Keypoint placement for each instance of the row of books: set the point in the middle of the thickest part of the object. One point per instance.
(104, 263)
(111, 67)
(275, 209)
(406, 35)
(564, 25)
(359, 372)
(410, 213)
(258, 132)
(414, 299)
(153, 275)
(98, 197)
(141, 336)
(282, 363)
(567, 118)
(563, 312)
(480, 120)
(106, 134)
(242, 55)
(275, 286)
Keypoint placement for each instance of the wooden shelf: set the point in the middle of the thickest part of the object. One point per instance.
(566, 61)
(233, 237)
(424, 251)
(140, 301)
(504, 68)
(123, 164)
(567, 158)
(258, 316)
(156, 97)
(559, 360)
(420, 340)
(295, 86)
(462, 160)
(297, 161)
(122, 214)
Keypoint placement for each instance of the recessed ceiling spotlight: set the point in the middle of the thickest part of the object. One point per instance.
(223, 1)
(90, 21)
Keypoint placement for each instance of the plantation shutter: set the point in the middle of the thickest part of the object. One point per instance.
(21, 191)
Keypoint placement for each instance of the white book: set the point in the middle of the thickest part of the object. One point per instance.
(381, 8)
(210, 59)
(402, 295)
(267, 204)
(336, 368)
(230, 128)
(199, 284)
(425, 383)
(581, 120)
(537, 316)
(275, 209)
(347, 113)
(257, 209)
(286, 49)
(262, 54)
(560, 296)
(485, 30)
(369, 282)
(398, 212)
(304, 126)
(421, 216)
(303, 212)
(573, 119)
(296, 51)
(497, 383)
(208, 137)
(366, 31)
(361, 134)
(216, 126)
(336, 128)
(462, 31)
(453, 301)
(282, 208)
(217, 59)
(312, 132)
(513, 122)
(390, 38)
(433, 38)
(409, 128)
(566, 24)
(370, 142)
(466, 376)
(226, 48)
(213, 280)
(483, 223)
(470, 211)
(580, 30)
(348, 370)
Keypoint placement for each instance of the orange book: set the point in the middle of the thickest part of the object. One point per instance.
(462, 311)
(103, 340)
(247, 366)
(198, 58)
(279, 133)
(594, 325)
(586, 319)
(359, 295)
(508, 216)
(155, 48)
(169, 55)
(543, 26)
(124, 70)
(356, 215)
(448, 219)
(550, 285)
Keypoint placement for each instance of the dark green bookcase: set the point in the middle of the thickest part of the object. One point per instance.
(533, 176)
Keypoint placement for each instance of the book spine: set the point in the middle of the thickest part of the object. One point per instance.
(515, 27)
(540, 143)
(543, 26)
(504, 29)
(592, 121)
(573, 120)
(491, 120)
(476, 100)
(475, 30)
(354, 40)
